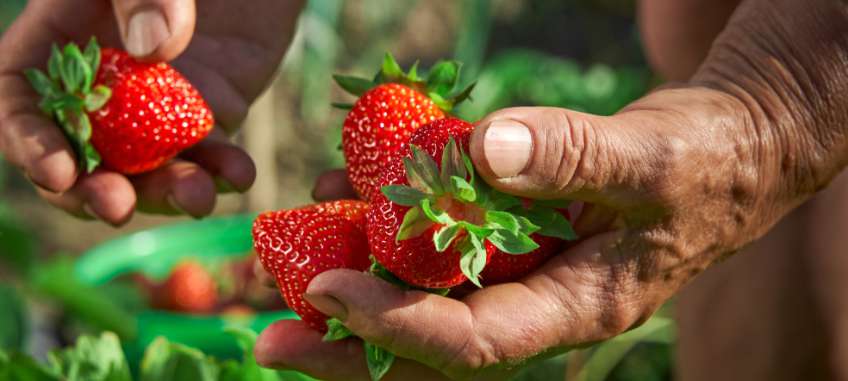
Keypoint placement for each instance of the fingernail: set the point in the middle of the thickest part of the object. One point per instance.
(328, 305)
(146, 30)
(507, 146)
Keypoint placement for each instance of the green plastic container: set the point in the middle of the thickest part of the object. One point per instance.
(154, 252)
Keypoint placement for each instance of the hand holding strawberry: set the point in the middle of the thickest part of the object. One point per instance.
(152, 31)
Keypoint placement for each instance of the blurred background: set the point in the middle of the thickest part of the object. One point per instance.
(580, 54)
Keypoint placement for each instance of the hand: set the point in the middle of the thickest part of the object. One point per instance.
(228, 59)
(677, 180)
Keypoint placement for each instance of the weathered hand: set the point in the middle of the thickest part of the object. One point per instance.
(229, 59)
(677, 180)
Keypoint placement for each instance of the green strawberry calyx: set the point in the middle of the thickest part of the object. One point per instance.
(68, 94)
(439, 84)
(467, 212)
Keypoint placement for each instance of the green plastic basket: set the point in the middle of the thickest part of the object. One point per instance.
(154, 252)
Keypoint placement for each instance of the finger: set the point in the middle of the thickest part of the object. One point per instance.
(155, 30)
(544, 152)
(442, 333)
(333, 185)
(178, 187)
(231, 168)
(105, 195)
(290, 344)
(34, 144)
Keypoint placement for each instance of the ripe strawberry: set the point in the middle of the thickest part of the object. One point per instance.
(296, 245)
(189, 288)
(130, 116)
(504, 267)
(434, 225)
(388, 110)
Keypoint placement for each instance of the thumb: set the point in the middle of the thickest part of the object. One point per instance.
(550, 153)
(155, 30)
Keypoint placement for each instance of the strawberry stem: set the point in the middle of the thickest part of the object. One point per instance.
(67, 95)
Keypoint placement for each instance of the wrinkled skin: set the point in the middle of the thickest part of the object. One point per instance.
(228, 60)
(680, 179)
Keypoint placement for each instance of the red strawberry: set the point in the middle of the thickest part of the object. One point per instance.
(130, 116)
(388, 110)
(296, 245)
(505, 267)
(189, 288)
(434, 225)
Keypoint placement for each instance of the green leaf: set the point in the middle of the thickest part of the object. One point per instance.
(383, 273)
(76, 74)
(83, 126)
(473, 259)
(92, 358)
(550, 221)
(462, 189)
(164, 360)
(14, 325)
(54, 64)
(92, 55)
(452, 164)
(412, 75)
(97, 98)
(354, 85)
(443, 238)
(391, 70)
(415, 222)
(90, 158)
(247, 369)
(443, 76)
(64, 101)
(512, 243)
(469, 167)
(437, 216)
(479, 231)
(499, 220)
(342, 106)
(440, 101)
(21, 367)
(378, 359)
(502, 201)
(41, 83)
(423, 169)
(463, 95)
(403, 195)
(336, 330)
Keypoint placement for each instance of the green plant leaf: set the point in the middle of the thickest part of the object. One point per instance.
(452, 164)
(403, 195)
(54, 64)
(554, 204)
(354, 85)
(499, 220)
(440, 101)
(473, 259)
(336, 330)
(378, 359)
(415, 222)
(164, 360)
(41, 83)
(90, 158)
(21, 367)
(512, 243)
(76, 74)
(13, 317)
(97, 98)
(92, 358)
(463, 95)
(462, 189)
(442, 77)
(391, 70)
(437, 216)
(479, 231)
(92, 55)
(445, 236)
(342, 106)
(423, 169)
(550, 221)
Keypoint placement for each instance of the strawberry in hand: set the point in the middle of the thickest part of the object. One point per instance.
(129, 116)
(436, 225)
(388, 110)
